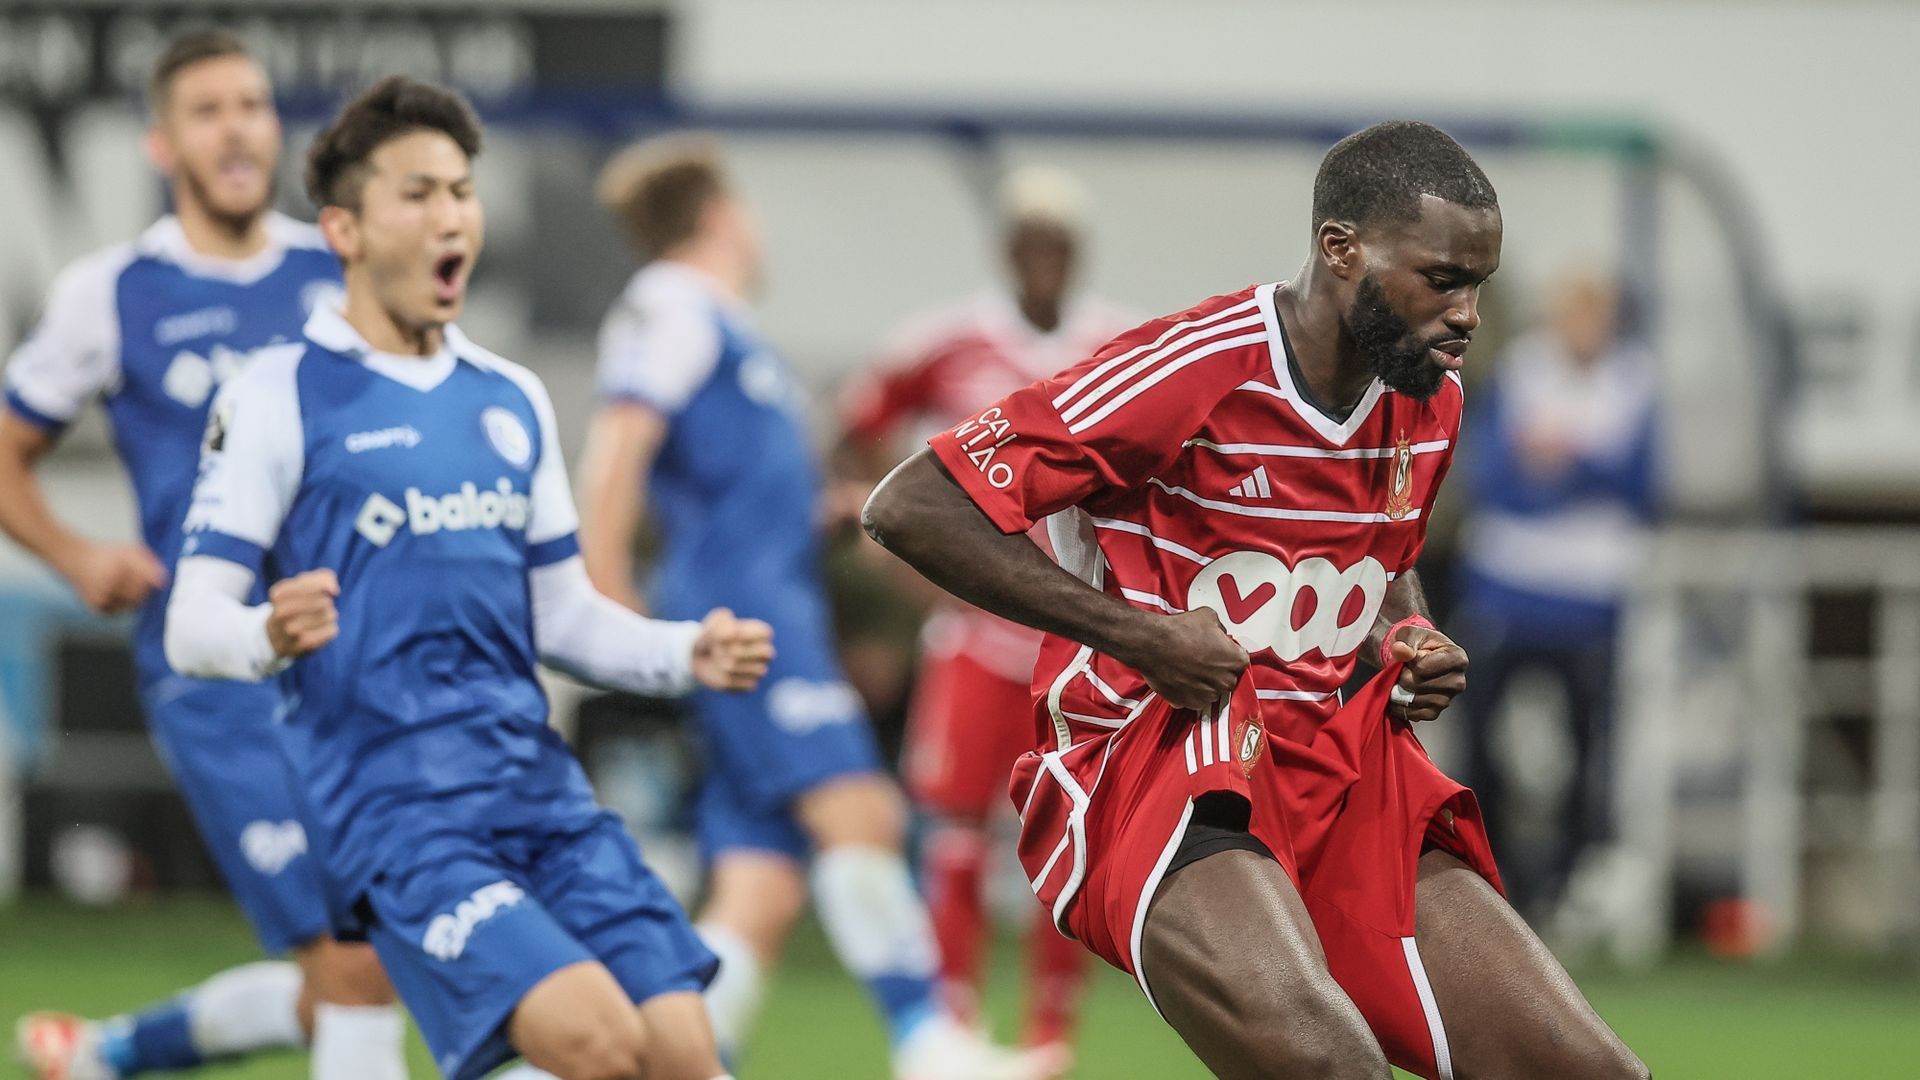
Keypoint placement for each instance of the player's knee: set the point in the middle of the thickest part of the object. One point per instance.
(1313, 1038)
(581, 1050)
(868, 811)
(1613, 1061)
(341, 973)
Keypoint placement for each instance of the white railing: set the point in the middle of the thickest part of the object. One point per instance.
(1720, 679)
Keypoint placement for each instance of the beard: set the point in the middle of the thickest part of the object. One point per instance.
(1393, 354)
(236, 222)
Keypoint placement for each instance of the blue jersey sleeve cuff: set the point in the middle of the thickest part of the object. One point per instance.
(52, 425)
(224, 546)
(558, 549)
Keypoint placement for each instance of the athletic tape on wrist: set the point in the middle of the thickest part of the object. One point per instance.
(1386, 643)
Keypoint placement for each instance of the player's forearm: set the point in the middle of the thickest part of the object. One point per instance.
(25, 515)
(211, 631)
(1404, 600)
(620, 448)
(919, 514)
(586, 634)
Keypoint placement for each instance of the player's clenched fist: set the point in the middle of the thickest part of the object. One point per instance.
(1190, 660)
(303, 617)
(1435, 674)
(730, 653)
(112, 578)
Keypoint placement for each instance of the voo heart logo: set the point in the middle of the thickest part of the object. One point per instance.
(1256, 596)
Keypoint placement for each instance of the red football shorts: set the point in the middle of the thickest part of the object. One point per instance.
(1347, 805)
(968, 725)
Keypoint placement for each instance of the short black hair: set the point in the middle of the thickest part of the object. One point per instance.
(390, 108)
(184, 52)
(1377, 176)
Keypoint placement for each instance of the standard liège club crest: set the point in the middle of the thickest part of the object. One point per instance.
(1400, 496)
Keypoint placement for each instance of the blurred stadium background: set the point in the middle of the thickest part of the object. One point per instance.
(1743, 171)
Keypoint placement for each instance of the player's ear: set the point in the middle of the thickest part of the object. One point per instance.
(341, 227)
(1338, 245)
(159, 150)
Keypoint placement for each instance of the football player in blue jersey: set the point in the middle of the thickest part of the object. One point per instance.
(151, 328)
(403, 492)
(701, 424)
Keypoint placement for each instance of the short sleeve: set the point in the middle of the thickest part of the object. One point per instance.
(553, 522)
(1454, 404)
(658, 345)
(251, 461)
(1109, 422)
(73, 353)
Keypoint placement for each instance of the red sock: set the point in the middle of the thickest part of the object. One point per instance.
(954, 860)
(1056, 977)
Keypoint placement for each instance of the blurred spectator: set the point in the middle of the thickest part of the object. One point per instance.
(1560, 485)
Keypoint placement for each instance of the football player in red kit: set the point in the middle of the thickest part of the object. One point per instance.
(970, 715)
(1297, 890)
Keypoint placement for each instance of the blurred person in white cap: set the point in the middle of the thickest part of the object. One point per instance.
(971, 717)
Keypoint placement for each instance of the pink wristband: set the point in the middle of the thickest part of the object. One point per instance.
(1386, 643)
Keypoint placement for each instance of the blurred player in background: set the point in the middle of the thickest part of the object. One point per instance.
(970, 719)
(152, 328)
(1295, 887)
(700, 424)
(403, 491)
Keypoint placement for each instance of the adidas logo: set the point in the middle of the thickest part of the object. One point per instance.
(1254, 486)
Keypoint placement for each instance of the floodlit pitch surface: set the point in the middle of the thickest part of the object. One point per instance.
(1698, 1019)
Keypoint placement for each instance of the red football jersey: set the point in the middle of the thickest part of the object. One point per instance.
(1204, 478)
(940, 369)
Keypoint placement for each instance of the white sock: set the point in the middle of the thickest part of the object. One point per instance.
(251, 1007)
(358, 1042)
(733, 998)
(523, 1071)
(879, 929)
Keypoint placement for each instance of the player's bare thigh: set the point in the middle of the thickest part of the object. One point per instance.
(578, 1025)
(1234, 965)
(1530, 1020)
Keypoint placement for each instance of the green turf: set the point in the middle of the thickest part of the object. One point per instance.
(1807, 1020)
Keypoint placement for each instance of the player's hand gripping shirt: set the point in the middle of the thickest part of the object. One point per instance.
(940, 370)
(154, 328)
(1206, 478)
(431, 487)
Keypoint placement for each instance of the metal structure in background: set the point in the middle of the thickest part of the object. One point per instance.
(1719, 641)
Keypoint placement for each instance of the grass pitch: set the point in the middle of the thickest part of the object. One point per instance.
(1809, 1019)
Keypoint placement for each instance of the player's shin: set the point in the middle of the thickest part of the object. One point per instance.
(954, 862)
(358, 1042)
(879, 929)
(733, 998)
(1056, 978)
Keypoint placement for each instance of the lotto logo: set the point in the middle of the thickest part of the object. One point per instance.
(380, 518)
(1260, 600)
(447, 934)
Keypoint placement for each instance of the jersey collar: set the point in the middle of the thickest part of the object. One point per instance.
(330, 330)
(166, 240)
(1334, 431)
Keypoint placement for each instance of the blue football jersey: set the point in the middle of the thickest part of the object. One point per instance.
(431, 487)
(154, 328)
(735, 485)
